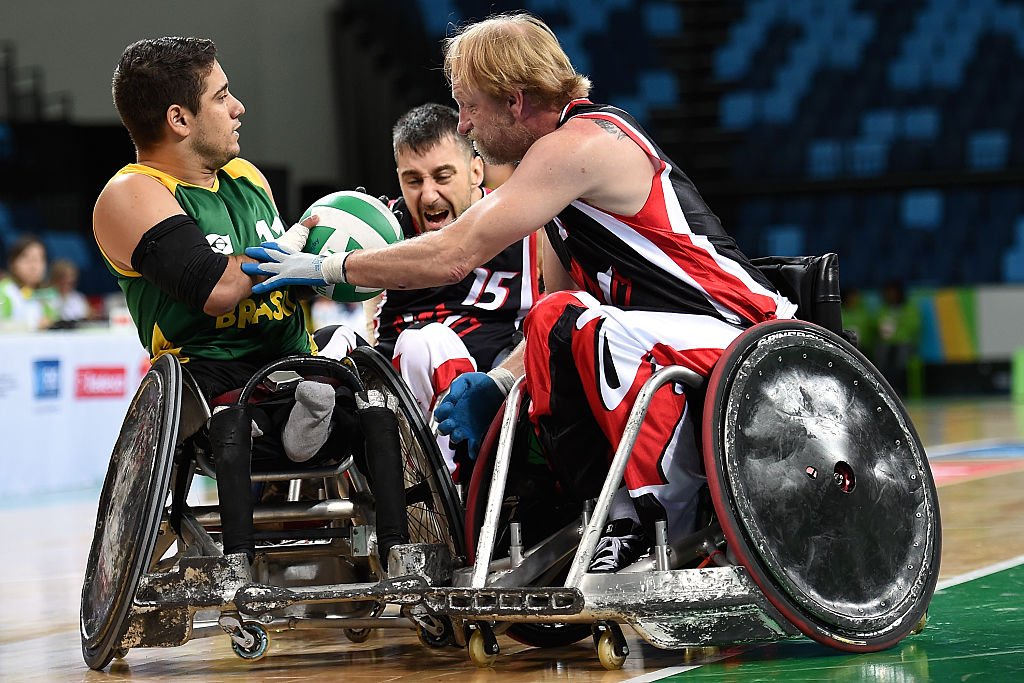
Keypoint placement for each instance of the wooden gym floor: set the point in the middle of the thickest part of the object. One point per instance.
(976, 626)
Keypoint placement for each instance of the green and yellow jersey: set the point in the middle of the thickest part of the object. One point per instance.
(234, 214)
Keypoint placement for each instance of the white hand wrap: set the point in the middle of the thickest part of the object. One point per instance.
(503, 378)
(333, 268)
(294, 238)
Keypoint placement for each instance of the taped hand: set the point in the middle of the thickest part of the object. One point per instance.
(294, 238)
(466, 412)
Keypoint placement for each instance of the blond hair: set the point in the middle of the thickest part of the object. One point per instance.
(507, 52)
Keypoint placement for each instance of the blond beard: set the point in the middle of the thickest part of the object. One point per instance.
(509, 148)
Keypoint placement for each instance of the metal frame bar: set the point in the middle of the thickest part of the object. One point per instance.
(591, 534)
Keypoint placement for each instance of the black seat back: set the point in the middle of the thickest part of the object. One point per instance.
(811, 282)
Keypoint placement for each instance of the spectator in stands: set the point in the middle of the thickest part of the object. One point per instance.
(899, 332)
(24, 303)
(70, 304)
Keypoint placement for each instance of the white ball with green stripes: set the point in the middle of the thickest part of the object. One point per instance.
(350, 221)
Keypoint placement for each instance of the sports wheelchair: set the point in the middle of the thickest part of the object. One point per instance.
(157, 574)
(820, 515)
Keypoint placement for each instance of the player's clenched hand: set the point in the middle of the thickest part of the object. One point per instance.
(466, 412)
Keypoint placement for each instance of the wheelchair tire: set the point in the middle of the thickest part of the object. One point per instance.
(480, 484)
(130, 509)
(821, 485)
(435, 513)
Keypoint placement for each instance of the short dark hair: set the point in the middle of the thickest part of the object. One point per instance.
(21, 244)
(422, 127)
(155, 73)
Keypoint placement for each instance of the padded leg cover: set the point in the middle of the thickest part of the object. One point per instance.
(384, 460)
(231, 441)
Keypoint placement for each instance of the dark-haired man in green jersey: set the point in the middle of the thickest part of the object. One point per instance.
(173, 228)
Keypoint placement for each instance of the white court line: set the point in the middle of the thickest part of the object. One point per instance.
(673, 670)
(661, 673)
(942, 585)
(978, 573)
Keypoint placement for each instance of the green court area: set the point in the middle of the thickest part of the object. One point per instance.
(975, 632)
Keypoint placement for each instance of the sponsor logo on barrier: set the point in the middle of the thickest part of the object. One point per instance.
(100, 382)
(46, 378)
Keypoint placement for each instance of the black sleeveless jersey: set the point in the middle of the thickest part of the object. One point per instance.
(673, 255)
(485, 309)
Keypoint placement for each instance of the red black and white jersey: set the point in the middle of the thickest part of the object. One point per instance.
(673, 255)
(486, 309)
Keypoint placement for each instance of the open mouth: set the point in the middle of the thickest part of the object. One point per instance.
(436, 219)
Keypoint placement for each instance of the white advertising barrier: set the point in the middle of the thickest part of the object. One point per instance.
(63, 397)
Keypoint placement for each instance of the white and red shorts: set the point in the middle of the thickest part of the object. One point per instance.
(585, 364)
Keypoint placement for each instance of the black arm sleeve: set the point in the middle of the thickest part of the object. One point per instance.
(175, 256)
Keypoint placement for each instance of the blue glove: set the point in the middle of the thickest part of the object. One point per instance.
(284, 266)
(466, 412)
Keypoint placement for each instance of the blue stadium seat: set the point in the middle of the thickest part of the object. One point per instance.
(783, 240)
(923, 209)
(906, 75)
(739, 110)
(921, 123)
(880, 124)
(662, 19)
(824, 159)
(658, 87)
(1013, 265)
(69, 245)
(778, 107)
(438, 14)
(868, 157)
(988, 149)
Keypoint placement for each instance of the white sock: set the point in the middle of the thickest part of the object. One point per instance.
(309, 423)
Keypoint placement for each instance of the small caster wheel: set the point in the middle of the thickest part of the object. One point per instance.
(357, 635)
(443, 638)
(260, 642)
(920, 624)
(479, 652)
(608, 653)
(610, 645)
(120, 653)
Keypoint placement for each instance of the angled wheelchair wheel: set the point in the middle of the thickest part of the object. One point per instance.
(432, 504)
(480, 484)
(130, 508)
(821, 485)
